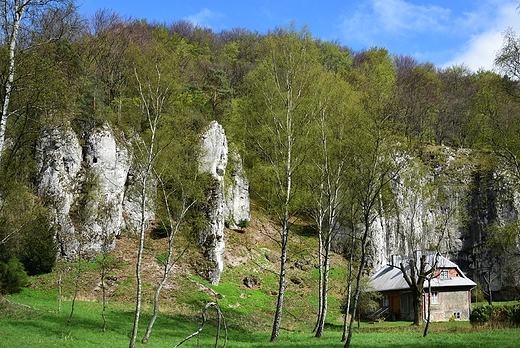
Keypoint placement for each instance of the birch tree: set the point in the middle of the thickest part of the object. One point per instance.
(154, 96)
(372, 159)
(278, 126)
(18, 18)
(165, 136)
(327, 173)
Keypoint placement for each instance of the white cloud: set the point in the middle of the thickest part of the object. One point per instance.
(384, 18)
(480, 51)
(448, 36)
(203, 17)
(481, 48)
(402, 16)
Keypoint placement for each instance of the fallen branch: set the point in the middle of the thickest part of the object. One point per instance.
(17, 303)
(219, 323)
(216, 294)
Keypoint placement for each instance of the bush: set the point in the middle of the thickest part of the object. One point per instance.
(244, 223)
(481, 315)
(12, 276)
(38, 247)
(496, 316)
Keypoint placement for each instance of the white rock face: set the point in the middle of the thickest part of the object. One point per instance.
(85, 188)
(213, 161)
(58, 165)
(238, 211)
(451, 205)
(109, 164)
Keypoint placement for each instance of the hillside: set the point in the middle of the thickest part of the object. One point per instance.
(250, 253)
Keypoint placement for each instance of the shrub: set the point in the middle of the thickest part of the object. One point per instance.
(481, 315)
(12, 276)
(244, 223)
(38, 247)
(496, 316)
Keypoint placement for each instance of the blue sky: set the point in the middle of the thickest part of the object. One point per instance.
(444, 32)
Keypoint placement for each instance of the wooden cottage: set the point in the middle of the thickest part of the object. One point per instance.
(450, 291)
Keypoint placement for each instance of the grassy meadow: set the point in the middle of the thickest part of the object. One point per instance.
(36, 318)
(31, 319)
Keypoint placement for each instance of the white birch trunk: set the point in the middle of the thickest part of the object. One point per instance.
(19, 8)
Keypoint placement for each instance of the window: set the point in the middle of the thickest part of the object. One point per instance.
(456, 315)
(445, 274)
(435, 297)
(386, 301)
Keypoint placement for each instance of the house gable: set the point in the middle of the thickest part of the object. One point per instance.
(450, 290)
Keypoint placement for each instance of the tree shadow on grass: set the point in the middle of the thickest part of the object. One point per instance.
(49, 329)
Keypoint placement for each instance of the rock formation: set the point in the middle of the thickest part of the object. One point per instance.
(84, 186)
(58, 166)
(447, 202)
(237, 213)
(213, 161)
(92, 192)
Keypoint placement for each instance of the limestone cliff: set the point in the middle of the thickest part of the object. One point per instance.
(213, 161)
(58, 166)
(237, 209)
(448, 201)
(84, 187)
(91, 188)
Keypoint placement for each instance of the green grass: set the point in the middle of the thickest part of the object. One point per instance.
(42, 326)
(31, 318)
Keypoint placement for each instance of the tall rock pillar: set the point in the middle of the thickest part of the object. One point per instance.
(213, 161)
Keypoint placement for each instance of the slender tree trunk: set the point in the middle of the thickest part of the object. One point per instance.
(8, 86)
(167, 267)
(103, 291)
(325, 289)
(320, 280)
(139, 262)
(281, 284)
(155, 308)
(143, 226)
(349, 296)
(152, 117)
(76, 289)
(358, 281)
(429, 307)
(166, 272)
(489, 281)
(59, 293)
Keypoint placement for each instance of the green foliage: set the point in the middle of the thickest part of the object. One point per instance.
(39, 248)
(161, 229)
(481, 315)
(25, 230)
(496, 316)
(477, 295)
(244, 223)
(12, 276)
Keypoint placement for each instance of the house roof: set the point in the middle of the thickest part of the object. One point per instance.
(390, 277)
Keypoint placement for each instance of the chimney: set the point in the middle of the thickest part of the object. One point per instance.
(394, 261)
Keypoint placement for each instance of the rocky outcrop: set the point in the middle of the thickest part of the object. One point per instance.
(445, 201)
(237, 213)
(85, 188)
(213, 161)
(93, 192)
(58, 167)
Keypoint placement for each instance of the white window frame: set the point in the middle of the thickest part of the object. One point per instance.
(435, 298)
